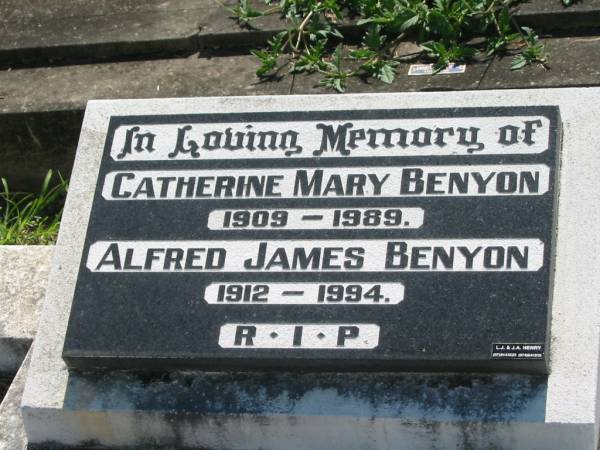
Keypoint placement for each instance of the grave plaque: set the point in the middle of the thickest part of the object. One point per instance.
(417, 239)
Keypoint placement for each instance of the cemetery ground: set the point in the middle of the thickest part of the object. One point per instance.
(55, 57)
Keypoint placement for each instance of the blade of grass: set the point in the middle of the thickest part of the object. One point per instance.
(27, 218)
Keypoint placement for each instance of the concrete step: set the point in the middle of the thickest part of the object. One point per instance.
(87, 49)
(41, 108)
(39, 33)
(112, 30)
(549, 15)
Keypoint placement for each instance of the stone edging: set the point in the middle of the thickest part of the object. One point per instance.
(23, 281)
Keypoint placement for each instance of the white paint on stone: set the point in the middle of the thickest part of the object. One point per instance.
(438, 136)
(347, 336)
(570, 414)
(394, 182)
(331, 293)
(315, 219)
(349, 255)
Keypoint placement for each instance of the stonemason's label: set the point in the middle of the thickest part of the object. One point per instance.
(518, 351)
(335, 240)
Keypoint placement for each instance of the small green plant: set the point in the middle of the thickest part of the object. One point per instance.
(533, 51)
(32, 219)
(448, 31)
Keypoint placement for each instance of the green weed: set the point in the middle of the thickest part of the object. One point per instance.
(448, 31)
(32, 219)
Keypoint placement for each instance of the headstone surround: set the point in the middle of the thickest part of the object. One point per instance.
(339, 240)
(355, 410)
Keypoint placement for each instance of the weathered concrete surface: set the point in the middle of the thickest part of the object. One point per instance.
(304, 411)
(23, 280)
(470, 80)
(37, 33)
(218, 30)
(26, 90)
(99, 37)
(12, 10)
(39, 127)
(35, 142)
(104, 30)
(12, 432)
(572, 62)
(550, 15)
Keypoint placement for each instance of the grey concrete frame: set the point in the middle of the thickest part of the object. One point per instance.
(323, 419)
(23, 279)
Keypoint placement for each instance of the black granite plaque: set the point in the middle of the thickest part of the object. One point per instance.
(414, 239)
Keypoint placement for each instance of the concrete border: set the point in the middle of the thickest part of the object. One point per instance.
(23, 278)
(304, 412)
(12, 432)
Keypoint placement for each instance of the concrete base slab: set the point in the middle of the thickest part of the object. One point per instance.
(351, 411)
